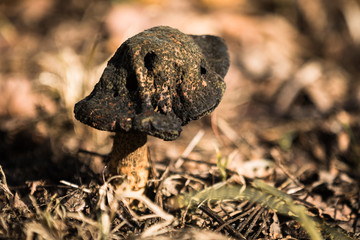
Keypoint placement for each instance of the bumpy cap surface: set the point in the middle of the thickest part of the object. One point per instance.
(156, 82)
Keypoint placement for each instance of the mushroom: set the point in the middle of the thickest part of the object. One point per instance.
(156, 82)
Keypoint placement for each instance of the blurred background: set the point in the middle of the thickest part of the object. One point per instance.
(293, 88)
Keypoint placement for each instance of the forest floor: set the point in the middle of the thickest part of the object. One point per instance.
(278, 159)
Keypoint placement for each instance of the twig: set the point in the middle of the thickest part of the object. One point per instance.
(275, 153)
(196, 139)
(215, 217)
(152, 206)
(259, 211)
(3, 177)
(3, 184)
(263, 225)
(4, 225)
(158, 212)
(231, 134)
(185, 154)
(82, 218)
(75, 186)
(244, 213)
(128, 216)
(247, 220)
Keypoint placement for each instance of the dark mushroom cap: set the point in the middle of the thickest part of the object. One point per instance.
(156, 82)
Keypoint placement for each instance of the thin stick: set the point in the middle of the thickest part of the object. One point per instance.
(215, 217)
(158, 212)
(254, 221)
(179, 162)
(75, 186)
(4, 185)
(196, 139)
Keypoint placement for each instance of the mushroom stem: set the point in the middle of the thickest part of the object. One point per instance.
(129, 158)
